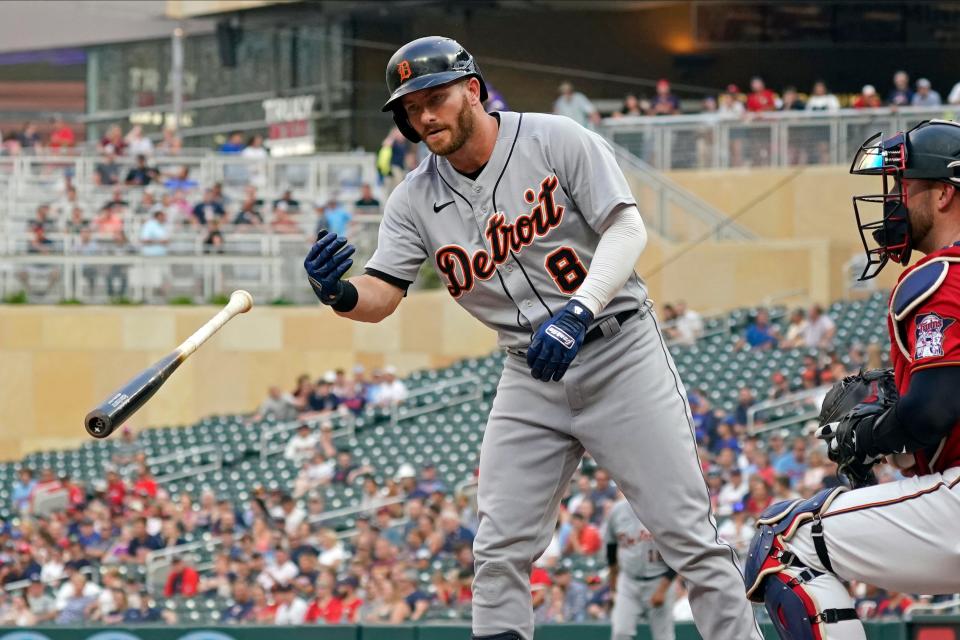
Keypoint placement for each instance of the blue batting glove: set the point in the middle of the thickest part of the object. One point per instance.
(328, 260)
(557, 341)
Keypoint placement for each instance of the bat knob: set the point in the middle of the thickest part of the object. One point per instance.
(98, 425)
(242, 299)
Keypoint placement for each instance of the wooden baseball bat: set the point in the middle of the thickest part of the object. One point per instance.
(114, 411)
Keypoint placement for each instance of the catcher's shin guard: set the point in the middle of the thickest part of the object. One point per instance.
(803, 603)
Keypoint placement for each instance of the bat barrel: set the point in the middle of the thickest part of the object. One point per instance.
(112, 413)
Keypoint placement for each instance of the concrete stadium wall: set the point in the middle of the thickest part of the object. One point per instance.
(804, 203)
(57, 362)
(715, 277)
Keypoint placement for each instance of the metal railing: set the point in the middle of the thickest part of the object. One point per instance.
(333, 514)
(214, 463)
(660, 200)
(401, 410)
(52, 278)
(41, 177)
(935, 608)
(269, 446)
(804, 405)
(20, 585)
(768, 139)
(347, 534)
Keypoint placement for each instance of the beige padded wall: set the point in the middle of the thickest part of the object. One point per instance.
(806, 203)
(57, 362)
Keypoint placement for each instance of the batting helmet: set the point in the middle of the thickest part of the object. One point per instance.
(423, 63)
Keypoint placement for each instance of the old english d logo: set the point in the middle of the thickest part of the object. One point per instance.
(404, 70)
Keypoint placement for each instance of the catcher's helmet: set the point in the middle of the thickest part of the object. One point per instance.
(423, 63)
(929, 151)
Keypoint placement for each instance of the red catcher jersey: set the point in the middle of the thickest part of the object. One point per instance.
(924, 326)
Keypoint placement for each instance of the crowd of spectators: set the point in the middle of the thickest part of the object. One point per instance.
(409, 557)
(756, 99)
(333, 392)
(135, 207)
(276, 564)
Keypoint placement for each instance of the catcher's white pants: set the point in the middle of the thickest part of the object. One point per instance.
(901, 536)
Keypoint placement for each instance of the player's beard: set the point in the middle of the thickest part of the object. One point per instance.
(459, 133)
(921, 223)
(921, 213)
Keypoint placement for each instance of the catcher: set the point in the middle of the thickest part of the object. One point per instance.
(900, 535)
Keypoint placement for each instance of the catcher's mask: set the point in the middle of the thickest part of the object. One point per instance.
(929, 151)
(887, 158)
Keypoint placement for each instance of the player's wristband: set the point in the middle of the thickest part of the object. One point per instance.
(347, 299)
(611, 553)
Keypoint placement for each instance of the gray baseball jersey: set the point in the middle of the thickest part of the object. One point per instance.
(637, 553)
(513, 245)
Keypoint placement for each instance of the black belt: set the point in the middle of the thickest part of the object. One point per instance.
(593, 334)
(649, 578)
(597, 332)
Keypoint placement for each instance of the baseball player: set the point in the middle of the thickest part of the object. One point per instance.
(901, 535)
(531, 225)
(639, 576)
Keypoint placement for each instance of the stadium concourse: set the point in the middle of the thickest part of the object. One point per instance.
(350, 499)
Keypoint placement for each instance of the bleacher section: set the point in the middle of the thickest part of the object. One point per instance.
(449, 436)
(269, 257)
(422, 430)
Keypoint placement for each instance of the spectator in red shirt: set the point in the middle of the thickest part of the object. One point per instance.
(62, 135)
(759, 497)
(145, 485)
(326, 607)
(868, 98)
(760, 98)
(113, 142)
(183, 579)
(540, 577)
(896, 605)
(347, 592)
(116, 490)
(584, 538)
(75, 494)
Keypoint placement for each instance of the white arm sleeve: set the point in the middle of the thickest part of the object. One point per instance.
(619, 248)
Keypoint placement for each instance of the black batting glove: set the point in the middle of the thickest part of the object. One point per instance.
(327, 261)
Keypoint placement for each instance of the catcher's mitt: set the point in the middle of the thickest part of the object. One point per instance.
(854, 403)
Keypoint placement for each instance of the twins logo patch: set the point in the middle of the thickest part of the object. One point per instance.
(930, 329)
(560, 336)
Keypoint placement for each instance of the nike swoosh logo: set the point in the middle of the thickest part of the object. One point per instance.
(437, 208)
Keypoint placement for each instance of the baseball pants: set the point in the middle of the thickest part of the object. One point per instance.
(622, 400)
(900, 536)
(633, 603)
